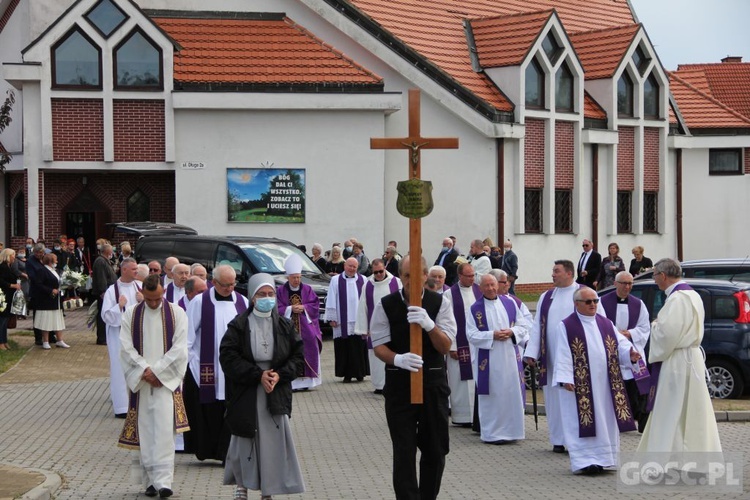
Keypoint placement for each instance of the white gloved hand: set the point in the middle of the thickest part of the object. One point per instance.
(408, 361)
(420, 316)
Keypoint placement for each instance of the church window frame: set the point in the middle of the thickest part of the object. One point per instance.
(552, 48)
(535, 85)
(725, 161)
(564, 88)
(138, 206)
(100, 17)
(625, 95)
(651, 98)
(18, 207)
(118, 61)
(533, 210)
(563, 211)
(624, 212)
(58, 64)
(641, 60)
(650, 211)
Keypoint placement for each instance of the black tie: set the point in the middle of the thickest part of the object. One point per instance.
(580, 262)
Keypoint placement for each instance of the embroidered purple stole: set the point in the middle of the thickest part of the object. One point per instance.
(129, 436)
(609, 304)
(656, 367)
(582, 376)
(117, 293)
(207, 381)
(462, 343)
(343, 309)
(370, 302)
(479, 313)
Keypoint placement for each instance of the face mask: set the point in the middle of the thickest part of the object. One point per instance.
(98, 247)
(28, 247)
(57, 248)
(348, 249)
(495, 254)
(265, 304)
(445, 249)
(21, 255)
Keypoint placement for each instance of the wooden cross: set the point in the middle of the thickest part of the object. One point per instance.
(415, 143)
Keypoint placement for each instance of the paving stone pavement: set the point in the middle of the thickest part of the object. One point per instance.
(55, 415)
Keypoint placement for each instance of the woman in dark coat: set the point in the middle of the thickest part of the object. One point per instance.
(260, 355)
(9, 286)
(611, 265)
(47, 302)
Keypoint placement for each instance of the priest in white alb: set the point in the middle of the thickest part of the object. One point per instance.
(175, 291)
(153, 353)
(495, 329)
(123, 293)
(594, 404)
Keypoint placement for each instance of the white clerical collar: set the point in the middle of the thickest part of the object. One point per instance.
(129, 283)
(295, 289)
(586, 319)
(349, 277)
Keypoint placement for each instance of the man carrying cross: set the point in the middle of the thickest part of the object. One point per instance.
(412, 426)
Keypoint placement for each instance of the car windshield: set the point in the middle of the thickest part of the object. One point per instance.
(269, 257)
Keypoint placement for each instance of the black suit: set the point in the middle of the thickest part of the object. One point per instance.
(593, 266)
(44, 282)
(33, 267)
(449, 263)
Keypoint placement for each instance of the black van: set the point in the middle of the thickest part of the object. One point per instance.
(247, 255)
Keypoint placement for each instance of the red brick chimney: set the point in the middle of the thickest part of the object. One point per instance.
(732, 59)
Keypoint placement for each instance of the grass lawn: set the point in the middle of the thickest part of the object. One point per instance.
(9, 358)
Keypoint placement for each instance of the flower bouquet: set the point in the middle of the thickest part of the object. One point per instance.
(72, 279)
(3, 302)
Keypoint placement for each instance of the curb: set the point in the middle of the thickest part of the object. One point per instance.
(45, 490)
(720, 416)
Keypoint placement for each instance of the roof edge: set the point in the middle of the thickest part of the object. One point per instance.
(215, 14)
(711, 99)
(286, 88)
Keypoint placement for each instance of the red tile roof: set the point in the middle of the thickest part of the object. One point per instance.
(602, 51)
(506, 40)
(700, 110)
(592, 109)
(5, 17)
(434, 29)
(728, 82)
(252, 51)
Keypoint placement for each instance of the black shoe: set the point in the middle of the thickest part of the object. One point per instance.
(37, 342)
(465, 425)
(558, 448)
(360, 379)
(592, 470)
(499, 442)
(165, 492)
(378, 391)
(52, 339)
(150, 491)
(100, 342)
(121, 415)
(347, 380)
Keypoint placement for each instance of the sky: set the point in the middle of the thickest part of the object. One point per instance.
(696, 31)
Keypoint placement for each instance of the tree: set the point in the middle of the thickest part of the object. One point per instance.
(5, 120)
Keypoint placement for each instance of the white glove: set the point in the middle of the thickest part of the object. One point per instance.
(408, 361)
(420, 316)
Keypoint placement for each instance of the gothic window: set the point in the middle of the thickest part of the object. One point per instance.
(19, 215)
(641, 60)
(651, 97)
(564, 89)
(76, 62)
(563, 211)
(624, 211)
(139, 207)
(551, 48)
(534, 85)
(533, 210)
(625, 95)
(650, 211)
(106, 17)
(138, 63)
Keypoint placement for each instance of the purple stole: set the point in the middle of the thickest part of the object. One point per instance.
(656, 367)
(544, 312)
(207, 381)
(462, 343)
(129, 435)
(479, 313)
(609, 304)
(370, 302)
(343, 309)
(117, 293)
(582, 374)
(170, 292)
(446, 288)
(182, 304)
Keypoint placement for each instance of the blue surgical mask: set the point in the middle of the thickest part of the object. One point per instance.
(348, 249)
(265, 304)
(445, 248)
(21, 255)
(28, 247)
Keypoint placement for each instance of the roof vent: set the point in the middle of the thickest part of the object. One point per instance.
(732, 59)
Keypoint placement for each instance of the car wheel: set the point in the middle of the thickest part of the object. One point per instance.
(724, 380)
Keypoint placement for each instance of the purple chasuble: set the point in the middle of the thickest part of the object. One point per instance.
(312, 338)
(208, 345)
(370, 302)
(462, 343)
(609, 304)
(129, 436)
(479, 313)
(656, 367)
(343, 309)
(582, 376)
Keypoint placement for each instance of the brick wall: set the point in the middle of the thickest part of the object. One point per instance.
(534, 154)
(112, 191)
(532, 287)
(77, 130)
(564, 154)
(651, 159)
(138, 130)
(626, 159)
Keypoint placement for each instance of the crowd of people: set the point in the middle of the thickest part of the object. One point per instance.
(196, 367)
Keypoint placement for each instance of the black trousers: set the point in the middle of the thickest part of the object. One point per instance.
(101, 327)
(422, 426)
(637, 404)
(209, 436)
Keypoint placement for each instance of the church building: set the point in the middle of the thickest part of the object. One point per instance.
(255, 118)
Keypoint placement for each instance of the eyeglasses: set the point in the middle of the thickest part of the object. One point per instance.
(626, 283)
(501, 282)
(585, 245)
(379, 272)
(153, 270)
(588, 302)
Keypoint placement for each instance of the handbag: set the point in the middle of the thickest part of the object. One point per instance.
(18, 304)
(74, 303)
(89, 284)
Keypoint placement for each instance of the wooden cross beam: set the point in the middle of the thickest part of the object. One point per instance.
(415, 143)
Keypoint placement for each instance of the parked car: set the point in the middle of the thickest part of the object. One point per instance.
(726, 338)
(148, 228)
(718, 269)
(247, 255)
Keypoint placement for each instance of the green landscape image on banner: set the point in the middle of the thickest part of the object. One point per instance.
(266, 195)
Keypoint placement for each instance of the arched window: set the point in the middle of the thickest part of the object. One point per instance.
(564, 89)
(625, 95)
(76, 62)
(139, 207)
(534, 85)
(106, 17)
(138, 63)
(651, 97)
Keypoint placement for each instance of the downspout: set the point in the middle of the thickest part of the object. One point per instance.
(500, 146)
(679, 205)
(595, 195)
